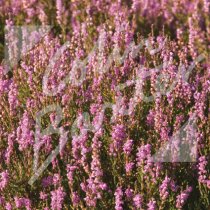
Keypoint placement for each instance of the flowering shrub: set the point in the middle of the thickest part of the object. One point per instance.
(104, 104)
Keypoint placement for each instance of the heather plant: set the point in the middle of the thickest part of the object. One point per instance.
(104, 104)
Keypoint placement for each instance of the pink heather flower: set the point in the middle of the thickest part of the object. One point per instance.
(206, 6)
(151, 205)
(23, 202)
(97, 122)
(75, 198)
(144, 153)
(79, 147)
(47, 143)
(10, 147)
(62, 140)
(56, 179)
(181, 199)
(118, 136)
(135, 5)
(95, 185)
(12, 97)
(4, 86)
(43, 195)
(163, 189)
(202, 169)
(118, 133)
(59, 7)
(207, 183)
(119, 109)
(57, 199)
(127, 147)
(4, 83)
(8, 206)
(137, 201)
(42, 16)
(4, 178)
(129, 193)
(47, 181)
(70, 172)
(150, 118)
(94, 108)
(129, 166)
(24, 133)
(118, 199)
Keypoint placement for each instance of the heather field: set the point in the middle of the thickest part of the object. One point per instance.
(104, 104)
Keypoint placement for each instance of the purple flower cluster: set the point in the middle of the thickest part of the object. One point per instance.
(143, 154)
(181, 199)
(24, 133)
(57, 198)
(202, 171)
(137, 200)
(118, 136)
(118, 199)
(164, 188)
(151, 205)
(4, 179)
(22, 202)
